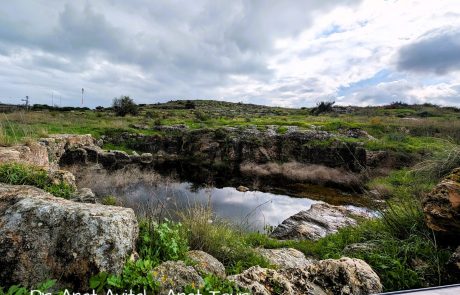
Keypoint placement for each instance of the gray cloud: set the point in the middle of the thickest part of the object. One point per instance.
(437, 52)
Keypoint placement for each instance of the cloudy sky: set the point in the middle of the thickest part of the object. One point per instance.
(275, 52)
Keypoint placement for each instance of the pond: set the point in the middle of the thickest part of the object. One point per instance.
(148, 193)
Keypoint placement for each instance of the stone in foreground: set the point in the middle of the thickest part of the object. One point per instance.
(442, 207)
(264, 281)
(206, 263)
(175, 275)
(285, 257)
(317, 222)
(345, 276)
(44, 237)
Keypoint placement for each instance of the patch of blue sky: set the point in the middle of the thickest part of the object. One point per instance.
(380, 76)
(330, 30)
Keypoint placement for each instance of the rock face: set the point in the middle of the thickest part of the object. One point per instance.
(58, 144)
(345, 276)
(32, 154)
(442, 207)
(43, 237)
(235, 146)
(176, 275)
(285, 257)
(317, 222)
(206, 263)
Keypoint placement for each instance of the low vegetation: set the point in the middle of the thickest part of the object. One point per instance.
(19, 174)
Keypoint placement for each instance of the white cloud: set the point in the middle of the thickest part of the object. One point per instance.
(290, 53)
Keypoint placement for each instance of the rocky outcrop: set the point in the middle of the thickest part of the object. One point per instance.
(58, 144)
(264, 281)
(317, 222)
(235, 146)
(43, 237)
(62, 176)
(442, 207)
(84, 195)
(175, 275)
(285, 257)
(206, 263)
(344, 276)
(31, 154)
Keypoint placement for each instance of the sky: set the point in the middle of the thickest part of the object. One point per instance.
(271, 52)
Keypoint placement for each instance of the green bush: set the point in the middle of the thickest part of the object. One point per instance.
(136, 276)
(20, 174)
(125, 105)
(162, 242)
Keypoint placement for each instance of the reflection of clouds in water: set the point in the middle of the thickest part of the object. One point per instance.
(253, 208)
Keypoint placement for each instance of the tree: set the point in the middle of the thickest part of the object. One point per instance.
(124, 105)
(322, 107)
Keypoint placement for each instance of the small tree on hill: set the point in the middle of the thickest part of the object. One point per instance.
(124, 105)
(322, 107)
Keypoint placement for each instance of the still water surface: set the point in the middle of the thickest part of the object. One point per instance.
(253, 209)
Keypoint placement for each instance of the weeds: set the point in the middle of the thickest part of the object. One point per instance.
(20, 174)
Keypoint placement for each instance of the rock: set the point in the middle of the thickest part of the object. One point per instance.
(120, 155)
(62, 176)
(454, 263)
(359, 248)
(317, 222)
(84, 195)
(58, 144)
(442, 207)
(285, 257)
(43, 237)
(357, 133)
(31, 154)
(206, 263)
(344, 276)
(242, 189)
(146, 158)
(74, 156)
(175, 275)
(264, 281)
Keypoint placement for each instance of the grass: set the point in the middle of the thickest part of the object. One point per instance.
(20, 174)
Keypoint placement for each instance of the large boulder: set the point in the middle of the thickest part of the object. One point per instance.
(317, 222)
(31, 154)
(175, 275)
(442, 207)
(206, 263)
(58, 144)
(264, 281)
(285, 257)
(43, 237)
(344, 276)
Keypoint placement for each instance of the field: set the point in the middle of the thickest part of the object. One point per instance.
(423, 140)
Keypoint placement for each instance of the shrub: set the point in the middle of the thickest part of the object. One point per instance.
(124, 105)
(322, 107)
(161, 242)
(190, 105)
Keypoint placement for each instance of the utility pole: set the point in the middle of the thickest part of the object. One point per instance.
(26, 100)
(52, 98)
(82, 92)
